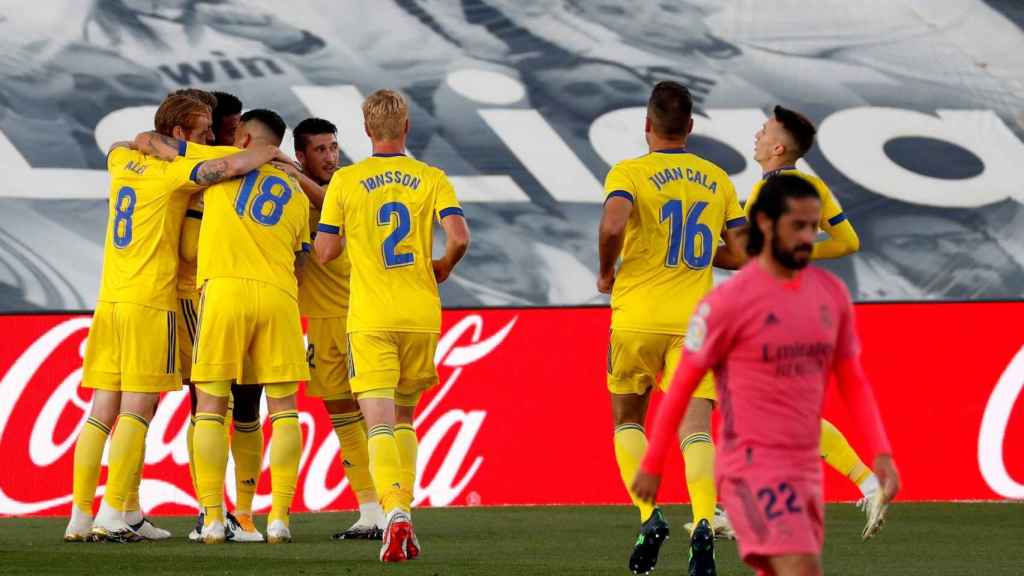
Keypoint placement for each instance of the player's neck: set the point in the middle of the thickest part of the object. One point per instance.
(388, 147)
(656, 144)
(776, 163)
(773, 267)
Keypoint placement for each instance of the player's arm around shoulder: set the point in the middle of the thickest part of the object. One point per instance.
(620, 192)
(209, 172)
(456, 229)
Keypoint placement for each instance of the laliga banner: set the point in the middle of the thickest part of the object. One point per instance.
(521, 415)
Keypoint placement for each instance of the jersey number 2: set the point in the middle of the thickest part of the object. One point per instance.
(259, 209)
(387, 212)
(682, 235)
(124, 208)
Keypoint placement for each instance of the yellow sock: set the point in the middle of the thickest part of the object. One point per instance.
(88, 453)
(699, 456)
(211, 454)
(350, 427)
(189, 437)
(408, 444)
(132, 502)
(838, 453)
(285, 452)
(247, 450)
(127, 450)
(385, 466)
(630, 445)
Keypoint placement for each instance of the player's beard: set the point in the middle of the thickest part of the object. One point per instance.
(789, 258)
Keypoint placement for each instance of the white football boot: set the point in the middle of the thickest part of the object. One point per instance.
(79, 526)
(278, 533)
(719, 524)
(242, 529)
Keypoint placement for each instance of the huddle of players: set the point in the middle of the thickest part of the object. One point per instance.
(247, 210)
(670, 216)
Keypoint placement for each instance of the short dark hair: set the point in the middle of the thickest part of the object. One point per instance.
(227, 105)
(269, 119)
(670, 109)
(773, 202)
(799, 127)
(311, 127)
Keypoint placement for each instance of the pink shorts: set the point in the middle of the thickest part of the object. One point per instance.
(774, 511)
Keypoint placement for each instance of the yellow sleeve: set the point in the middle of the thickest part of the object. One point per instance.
(734, 215)
(752, 198)
(194, 151)
(331, 220)
(303, 242)
(181, 174)
(842, 238)
(618, 183)
(117, 158)
(445, 203)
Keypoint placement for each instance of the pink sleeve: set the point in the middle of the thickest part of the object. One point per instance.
(706, 342)
(847, 341)
(860, 400)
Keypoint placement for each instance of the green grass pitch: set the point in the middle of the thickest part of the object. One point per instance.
(920, 539)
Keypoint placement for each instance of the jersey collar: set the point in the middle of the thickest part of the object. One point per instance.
(671, 151)
(390, 155)
(771, 173)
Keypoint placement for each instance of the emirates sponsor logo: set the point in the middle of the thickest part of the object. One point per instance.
(447, 433)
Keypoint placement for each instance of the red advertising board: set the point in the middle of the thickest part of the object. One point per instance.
(522, 415)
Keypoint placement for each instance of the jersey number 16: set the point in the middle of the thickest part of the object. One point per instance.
(683, 235)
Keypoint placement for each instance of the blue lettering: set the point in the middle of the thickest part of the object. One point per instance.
(387, 177)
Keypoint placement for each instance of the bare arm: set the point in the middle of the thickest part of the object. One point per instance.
(733, 254)
(155, 144)
(121, 144)
(313, 191)
(611, 235)
(233, 166)
(327, 246)
(456, 232)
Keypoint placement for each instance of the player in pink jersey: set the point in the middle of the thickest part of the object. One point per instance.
(772, 335)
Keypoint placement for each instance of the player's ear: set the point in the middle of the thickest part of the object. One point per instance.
(366, 127)
(301, 157)
(689, 127)
(647, 125)
(406, 129)
(178, 133)
(764, 224)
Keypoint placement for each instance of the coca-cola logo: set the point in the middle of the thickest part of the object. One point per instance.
(49, 372)
(993, 430)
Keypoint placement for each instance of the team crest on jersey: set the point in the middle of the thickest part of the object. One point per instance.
(696, 332)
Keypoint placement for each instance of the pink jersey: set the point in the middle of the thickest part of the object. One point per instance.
(772, 345)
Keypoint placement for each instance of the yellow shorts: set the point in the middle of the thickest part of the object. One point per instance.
(327, 355)
(399, 361)
(240, 317)
(131, 348)
(188, 320)
(636, 358)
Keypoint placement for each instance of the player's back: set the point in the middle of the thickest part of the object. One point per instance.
(324, 291)
(831, 211)
(389, 204)
(148, 197)
(252, 228)
(681, 204)
(782, 338)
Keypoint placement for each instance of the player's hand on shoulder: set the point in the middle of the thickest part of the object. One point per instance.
(888, 476)
(287, 167)
(605, 283)
(645, 486)
(441, 270)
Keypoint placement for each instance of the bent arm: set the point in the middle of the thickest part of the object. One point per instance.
(842, 240)
(234, 165)
(612, 232)
(163, 147)
(732, 255)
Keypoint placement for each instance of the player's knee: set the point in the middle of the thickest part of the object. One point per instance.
(276, 405)
(106, 406)
(697, 418)
(143, 404)
(342, 406)
(629, 408)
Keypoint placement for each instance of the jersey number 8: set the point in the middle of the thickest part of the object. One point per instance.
(124, 208)
(682, 236)
(259, 210)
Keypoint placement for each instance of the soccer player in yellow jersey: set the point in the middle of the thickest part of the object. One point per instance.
(254, 233)
(783, 139)
(246, 441)
(664, 214)
(131, 354)
(386, 206)
(323, 300)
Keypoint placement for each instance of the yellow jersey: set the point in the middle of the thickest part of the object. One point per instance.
(147, 205)
(842, 237)
(324, 289)
(253, 227)
(190, 234)
(681, 205)
(386, 207)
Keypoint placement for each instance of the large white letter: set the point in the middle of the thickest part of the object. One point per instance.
(993, 430)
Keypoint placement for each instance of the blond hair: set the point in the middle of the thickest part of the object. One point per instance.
(385, 113)
(180, 110)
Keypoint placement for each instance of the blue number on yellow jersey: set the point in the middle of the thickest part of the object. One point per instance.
(386, 206)
(147, 205)
(252, 228)
(681, 205)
